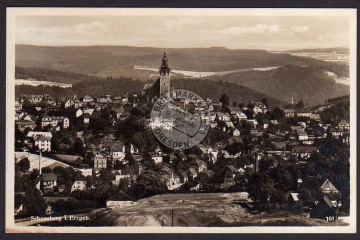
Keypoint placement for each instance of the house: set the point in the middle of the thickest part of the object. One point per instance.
(78, 186)
(274, 122)
(304, 151)
(191, 173)
(43, 143)
(236, 133)
(33, 134)
(213, 154)
(241, 116)
(289, 112)
(157, 156)
(85, 171)
(183, 177)
(46, 182)
(87, 99)
(34, 98)
(292, 197)
(222, 116)
(18, 105)
(259, 107)
(69, 103)
(64, 122)
(100, 161)
(234, 111)
(86, 118)
(198, 165)
(24, 116)
(319, 184)
(49, 211)
(229, 173)
(120, 200)
(117, 150)
(23, 124)
(206, 175)
(324, 210)
(119, 111)
(343, 125)
(266, 123)
(303, 136)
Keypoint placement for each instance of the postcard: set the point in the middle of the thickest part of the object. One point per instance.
(164, 120)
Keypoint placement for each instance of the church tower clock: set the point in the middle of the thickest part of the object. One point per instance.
(164, 75)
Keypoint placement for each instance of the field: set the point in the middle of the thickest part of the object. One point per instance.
(196, 210)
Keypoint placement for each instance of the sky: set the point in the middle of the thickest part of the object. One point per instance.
(274, 33)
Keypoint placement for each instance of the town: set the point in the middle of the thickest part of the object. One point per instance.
(76, 154)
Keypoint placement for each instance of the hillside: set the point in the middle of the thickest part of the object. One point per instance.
(339, 50)
(118, 61)
(238, 93)
(307, 83)
(97, 86)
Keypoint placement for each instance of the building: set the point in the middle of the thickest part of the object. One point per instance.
(324, 210)
(46, 182)
(319, 184)
(289, 112)
(259, 107)
(162, 85)
(100, 161)
(78, 186)
(120, 200)
(304, 151)
(43, 143)
(23, 124)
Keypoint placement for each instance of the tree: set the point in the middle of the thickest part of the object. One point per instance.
(265, 102)
(278, 113)
(24, 164)
(299, 105)
(34, 203)
(147, 184)
(79, 147)
(225, 101)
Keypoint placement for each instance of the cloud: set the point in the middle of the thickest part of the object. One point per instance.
(300, 29)
(83, 29)
(96, 27)
(185, 24)
(254, 29)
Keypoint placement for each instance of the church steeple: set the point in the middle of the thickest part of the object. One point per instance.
(164, 68)
(164, 75)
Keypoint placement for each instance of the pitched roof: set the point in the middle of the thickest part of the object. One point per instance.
(304, 149)
(46, 177)
(121, 196)
(55, 199)
(42, 138)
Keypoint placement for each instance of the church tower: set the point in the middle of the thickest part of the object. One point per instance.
(164, 75)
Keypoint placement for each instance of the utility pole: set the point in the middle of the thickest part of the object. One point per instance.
(260, 217)
(172, 217)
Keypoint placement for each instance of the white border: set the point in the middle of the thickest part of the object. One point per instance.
(10, 113)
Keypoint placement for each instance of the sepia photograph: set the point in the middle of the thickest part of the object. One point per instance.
(166, 120)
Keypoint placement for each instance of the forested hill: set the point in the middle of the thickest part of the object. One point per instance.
(340, 50)
(118, 61)
(119, 86)
(310, 84)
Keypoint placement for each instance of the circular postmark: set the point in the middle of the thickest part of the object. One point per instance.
(180, 119)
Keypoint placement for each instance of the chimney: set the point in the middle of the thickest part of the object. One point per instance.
(40, 163)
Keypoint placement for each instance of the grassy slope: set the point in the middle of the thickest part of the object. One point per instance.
(307, 83)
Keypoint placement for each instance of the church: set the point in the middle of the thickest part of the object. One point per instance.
(162, 84)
